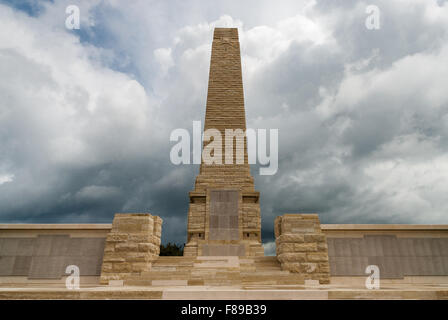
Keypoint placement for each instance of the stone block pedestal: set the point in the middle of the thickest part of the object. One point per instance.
(301, 246)
(131, 246)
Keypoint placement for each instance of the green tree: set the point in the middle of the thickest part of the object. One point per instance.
(172, 249)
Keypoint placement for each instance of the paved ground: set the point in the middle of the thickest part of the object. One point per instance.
(321, 292)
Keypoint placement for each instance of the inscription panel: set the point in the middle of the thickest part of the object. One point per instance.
(47, 256)
(396, 257)
(224, 215)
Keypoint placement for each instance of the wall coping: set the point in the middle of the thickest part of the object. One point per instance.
(56, 226)
(382, 227)
(324, 227)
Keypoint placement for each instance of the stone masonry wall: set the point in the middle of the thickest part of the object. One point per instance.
(131, 246)
(302, 246)
(225, 110)
(251, 219)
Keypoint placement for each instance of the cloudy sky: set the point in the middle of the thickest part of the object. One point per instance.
(86, 115)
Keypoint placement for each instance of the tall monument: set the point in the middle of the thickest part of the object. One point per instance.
(224, 213)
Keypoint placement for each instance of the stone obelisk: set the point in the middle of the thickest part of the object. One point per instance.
(224, 212)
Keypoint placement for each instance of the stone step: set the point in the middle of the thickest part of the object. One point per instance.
(171, 266)
(270, 273)
(163, 274)
(214, 270)
(258, 265)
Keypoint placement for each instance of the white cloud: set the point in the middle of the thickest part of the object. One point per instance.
(67, 103)
(6, 178)
(420, 76)
(164, 58)
(269, 248)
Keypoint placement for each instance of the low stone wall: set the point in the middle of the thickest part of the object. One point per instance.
(42, 252)
(302, 246)
(399, 251)
(131, 246)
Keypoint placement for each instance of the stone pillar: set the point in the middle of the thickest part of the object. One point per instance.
(225, 110)
(302, 246)
(131, 246)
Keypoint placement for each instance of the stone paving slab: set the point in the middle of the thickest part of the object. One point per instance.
(227, 293)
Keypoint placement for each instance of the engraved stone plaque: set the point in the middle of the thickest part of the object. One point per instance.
(224, 215)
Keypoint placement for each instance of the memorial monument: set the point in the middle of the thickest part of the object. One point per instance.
(224, 211)
(223, 252)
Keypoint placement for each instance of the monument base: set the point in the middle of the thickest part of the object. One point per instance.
(216, 248)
